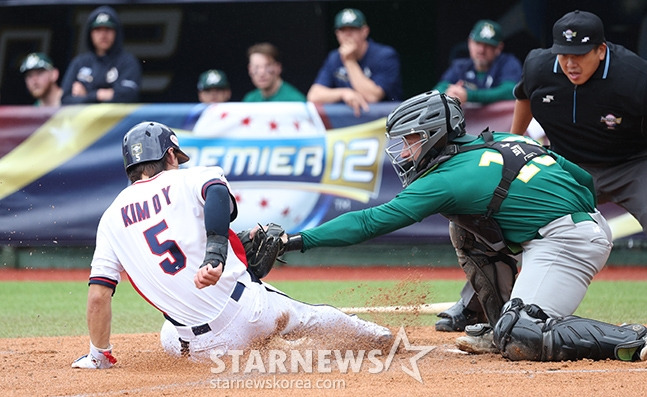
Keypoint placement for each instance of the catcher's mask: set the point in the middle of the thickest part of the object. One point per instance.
(435, 118)
(149, 141)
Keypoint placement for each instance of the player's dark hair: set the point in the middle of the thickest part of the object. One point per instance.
(150, 168)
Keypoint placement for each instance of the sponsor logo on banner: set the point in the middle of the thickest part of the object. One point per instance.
(282, 163)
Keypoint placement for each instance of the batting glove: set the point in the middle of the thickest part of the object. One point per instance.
(96, 359)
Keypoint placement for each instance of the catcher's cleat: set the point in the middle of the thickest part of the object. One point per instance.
(456, 318)
(479, 339)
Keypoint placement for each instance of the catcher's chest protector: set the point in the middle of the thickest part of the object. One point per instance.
(515, 156)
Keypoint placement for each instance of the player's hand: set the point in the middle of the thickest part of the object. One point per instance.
(78, 89)
(458, 91)
(355, 100)
(347, 51)
(207, 276)
(105, 94)
(96, 359)
(252, 233)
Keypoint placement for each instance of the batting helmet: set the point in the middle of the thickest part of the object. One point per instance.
(149, 141)
(436, 118)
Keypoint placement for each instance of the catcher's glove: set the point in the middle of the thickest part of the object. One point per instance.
(264, 249)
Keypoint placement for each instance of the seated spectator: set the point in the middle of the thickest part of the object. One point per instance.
(488, 75)
(41, 79)
(360, 71)
(106, 73)
(213, 87)
(265, 70)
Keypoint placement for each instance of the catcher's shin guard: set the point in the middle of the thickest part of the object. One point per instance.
(480, 270)
(533, 336)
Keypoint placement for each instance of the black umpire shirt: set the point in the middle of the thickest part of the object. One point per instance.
(599, 122)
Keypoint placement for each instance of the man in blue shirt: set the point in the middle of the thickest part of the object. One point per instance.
(360, 71)
(488, 75)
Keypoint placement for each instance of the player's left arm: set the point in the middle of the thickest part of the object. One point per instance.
(363, 84)
(384, 84)
(217, 215)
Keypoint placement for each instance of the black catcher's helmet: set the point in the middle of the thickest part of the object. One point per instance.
(436, 118)
(149, 141)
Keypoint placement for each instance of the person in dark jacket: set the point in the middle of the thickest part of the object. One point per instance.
(106, 73)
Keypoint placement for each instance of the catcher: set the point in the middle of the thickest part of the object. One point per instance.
(505, 194)
(169, 230)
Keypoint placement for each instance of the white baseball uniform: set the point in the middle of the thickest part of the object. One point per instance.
(154, 230)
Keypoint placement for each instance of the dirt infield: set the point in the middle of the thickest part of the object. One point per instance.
(41, 366)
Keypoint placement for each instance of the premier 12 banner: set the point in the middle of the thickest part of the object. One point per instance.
(290, 163)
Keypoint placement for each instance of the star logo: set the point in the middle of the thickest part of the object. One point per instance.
(413, 372)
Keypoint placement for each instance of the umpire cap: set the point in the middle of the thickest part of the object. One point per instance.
(149, 141)
(577, 33)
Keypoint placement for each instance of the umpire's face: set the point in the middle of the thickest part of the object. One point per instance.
(579, 68)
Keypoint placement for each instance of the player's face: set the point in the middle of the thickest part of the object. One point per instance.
(483, 55)
(580, 68)
(214, 95)
(411, 147)
(351, 35)
(264, 71)
(103, 38)
(40, 81)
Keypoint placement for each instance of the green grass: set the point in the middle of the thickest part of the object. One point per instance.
(58, 308)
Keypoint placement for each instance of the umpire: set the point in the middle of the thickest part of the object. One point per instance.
(590, 97)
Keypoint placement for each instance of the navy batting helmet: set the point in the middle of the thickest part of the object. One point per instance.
(149, 141)
(436, 118)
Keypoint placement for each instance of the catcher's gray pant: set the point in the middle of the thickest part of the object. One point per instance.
(624, 184)
(261, 312)
(558, 268)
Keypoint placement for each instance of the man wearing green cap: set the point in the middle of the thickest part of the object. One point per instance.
(489, 74)
(41, 79)
(213, 87)
(360, 71)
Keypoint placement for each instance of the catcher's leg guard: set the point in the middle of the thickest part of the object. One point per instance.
(479, 264)
(524, 332)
